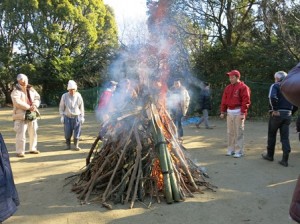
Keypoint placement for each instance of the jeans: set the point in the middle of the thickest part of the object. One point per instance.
(72, 125)
(205, 118)
(281, 122)
(177, 116)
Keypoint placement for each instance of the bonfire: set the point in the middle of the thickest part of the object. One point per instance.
(139, 157)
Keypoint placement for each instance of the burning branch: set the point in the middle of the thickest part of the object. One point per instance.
(139, 157)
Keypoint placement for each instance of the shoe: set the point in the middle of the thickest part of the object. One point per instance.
(267, 157)
(68, 147)
(197, 126)
(34, 152)
(209, 128)
(230, 153)
(21, 155)
(283, 163)
(237, 155)
(77, 149)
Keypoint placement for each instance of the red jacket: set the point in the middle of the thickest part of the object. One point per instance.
(104, 101)
(235, 96)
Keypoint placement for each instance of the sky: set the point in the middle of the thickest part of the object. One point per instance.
(128, 11)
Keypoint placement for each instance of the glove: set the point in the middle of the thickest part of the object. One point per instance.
(81, 119)
(62, 119)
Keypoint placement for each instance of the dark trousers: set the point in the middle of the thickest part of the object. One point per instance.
(177, 116)
(72, 125)
(282, 123)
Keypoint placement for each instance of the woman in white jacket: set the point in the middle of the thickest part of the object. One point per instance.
(25, 100)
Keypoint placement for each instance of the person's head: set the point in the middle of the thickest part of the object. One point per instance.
(206, 85)
(112, 85)
(234, 76)
(279, 76)
(72, 87)
(22, 79)
(177, 83)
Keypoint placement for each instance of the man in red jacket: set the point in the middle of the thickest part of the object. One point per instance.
(235, 103)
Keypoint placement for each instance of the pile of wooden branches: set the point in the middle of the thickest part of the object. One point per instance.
(139, 157)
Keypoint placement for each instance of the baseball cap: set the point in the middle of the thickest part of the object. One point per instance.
(234, 72)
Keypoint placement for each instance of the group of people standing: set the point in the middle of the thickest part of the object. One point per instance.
(234, 105)
(26, 101)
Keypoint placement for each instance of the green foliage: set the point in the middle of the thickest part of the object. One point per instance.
(56, 41)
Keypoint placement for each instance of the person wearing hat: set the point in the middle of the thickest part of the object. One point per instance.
(71, 110)
(26, 101)
(235, 104)
(105, 105)
(280, 110)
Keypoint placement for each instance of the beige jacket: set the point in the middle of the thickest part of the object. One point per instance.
(19, 101)
(179, 99)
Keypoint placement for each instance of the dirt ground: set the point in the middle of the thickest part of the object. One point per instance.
(250, 190)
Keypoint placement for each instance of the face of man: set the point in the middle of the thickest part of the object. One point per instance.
(113, 88)
(23, 82)
(72, 91)
(233, 79)
(177, 84)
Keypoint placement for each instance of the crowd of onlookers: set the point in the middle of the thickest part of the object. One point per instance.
(234, 106)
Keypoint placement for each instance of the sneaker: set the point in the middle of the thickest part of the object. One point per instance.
(21, 155)
(238, 155)
(34, 152)
(230, 153)
(77, 148)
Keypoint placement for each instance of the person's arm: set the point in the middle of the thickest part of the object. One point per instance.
(81, 106)
(245, 101)
(298, 124)
(62, 105)
(273, 97)
(186, 102)
(36, 101)
(223, 106)
(16, 97)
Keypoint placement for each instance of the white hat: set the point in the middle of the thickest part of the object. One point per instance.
(113, 83)
(72, 85)
(22, 77)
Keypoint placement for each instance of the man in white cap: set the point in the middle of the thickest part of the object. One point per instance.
(71, 110)
(25, 100)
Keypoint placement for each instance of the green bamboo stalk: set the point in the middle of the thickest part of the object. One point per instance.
(162, 156)
(173, 180)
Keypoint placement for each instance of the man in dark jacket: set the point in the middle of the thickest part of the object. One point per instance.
(9, 199)
(280, 118)
(205, 105)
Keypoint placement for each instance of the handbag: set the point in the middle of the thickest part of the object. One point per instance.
(295, 204)
(30, 115)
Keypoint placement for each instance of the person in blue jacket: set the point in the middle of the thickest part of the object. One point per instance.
(280, 111)
(9, 199)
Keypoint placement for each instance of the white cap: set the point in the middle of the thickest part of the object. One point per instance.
(72, 85)
(22, 77)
